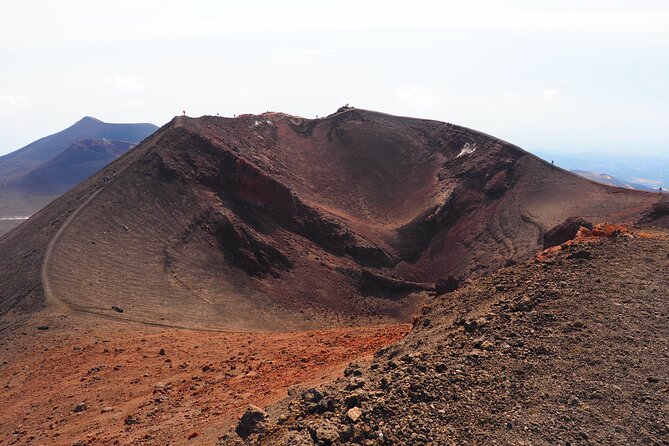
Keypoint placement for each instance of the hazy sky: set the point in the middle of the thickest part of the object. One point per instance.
(561, 76)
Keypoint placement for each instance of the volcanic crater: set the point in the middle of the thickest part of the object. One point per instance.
(277, 222)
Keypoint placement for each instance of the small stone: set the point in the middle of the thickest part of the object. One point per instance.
(327, 404)
(354, 414)
(470, 326)
(43, 327)
(524, 305)
(487, 345)
(193, 435)
(130, 420)
(107, 409)
(117, 308)
(356, 383)
(80, 407)
(298, 438)
(582, 254)
(353, 369)
(251, 422)
(447, 285)
(312, 395)
(356, 398)
(162, 352)
(325, 432)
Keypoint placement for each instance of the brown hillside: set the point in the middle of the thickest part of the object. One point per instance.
(278, 222)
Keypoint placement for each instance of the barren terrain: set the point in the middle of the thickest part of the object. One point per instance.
(269, 250)
(571, 349)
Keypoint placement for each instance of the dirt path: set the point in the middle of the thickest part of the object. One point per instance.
(49, 295)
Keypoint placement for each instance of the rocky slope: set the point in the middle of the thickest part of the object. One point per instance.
(571, 349)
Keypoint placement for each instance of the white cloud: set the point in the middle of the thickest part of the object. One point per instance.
(130, 83)
(10, 103)
(550, 93)
(414, 96)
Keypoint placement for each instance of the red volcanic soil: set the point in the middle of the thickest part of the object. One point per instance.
(200, 385)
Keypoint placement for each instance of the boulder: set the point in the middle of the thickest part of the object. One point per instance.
(565, 231)
(447, 285)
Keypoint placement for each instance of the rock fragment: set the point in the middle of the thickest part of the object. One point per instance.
(354, 414)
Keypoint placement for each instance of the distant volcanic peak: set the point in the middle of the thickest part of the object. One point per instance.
(89, 119)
